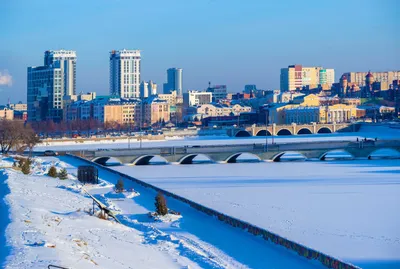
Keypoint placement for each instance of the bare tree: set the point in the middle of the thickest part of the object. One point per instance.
(15, 134)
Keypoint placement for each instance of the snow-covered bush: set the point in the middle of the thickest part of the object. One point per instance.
(52, 172)
(63, 174)
(161, 204)
(25, 168)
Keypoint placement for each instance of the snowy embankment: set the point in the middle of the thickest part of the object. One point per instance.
(51, 224)
(346, 209)
(366, 131)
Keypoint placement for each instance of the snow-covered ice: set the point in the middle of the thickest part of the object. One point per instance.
(50, 223)
(347, 209)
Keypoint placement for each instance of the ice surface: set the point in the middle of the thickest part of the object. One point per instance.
(50, 224)
(348, 209)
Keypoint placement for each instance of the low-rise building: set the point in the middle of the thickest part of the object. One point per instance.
(214, 110)
(171, 97)
(6, 113)
(123, 111)
(219, 92)
(196, 98)
(155, 110)
(19, 107)
(302, 114)
(336, 113)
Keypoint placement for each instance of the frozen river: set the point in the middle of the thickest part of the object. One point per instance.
(380, 132)
(348, 209)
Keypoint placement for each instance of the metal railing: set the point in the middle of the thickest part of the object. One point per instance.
(56, 266)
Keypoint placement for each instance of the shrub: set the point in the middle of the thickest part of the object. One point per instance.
(161, 204)
(26, 169)
(119, 186)
(63, 174)
(52, 172)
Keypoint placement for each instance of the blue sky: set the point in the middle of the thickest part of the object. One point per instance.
(233, 42)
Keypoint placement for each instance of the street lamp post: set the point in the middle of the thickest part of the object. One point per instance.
(266, 129)
(129, 136)
(272, 131)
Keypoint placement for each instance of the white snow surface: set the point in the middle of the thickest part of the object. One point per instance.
(380, 131)
(50, 224)
(347, 209)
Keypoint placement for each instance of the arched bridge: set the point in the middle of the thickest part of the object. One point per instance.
(292, 129)
(259, 152)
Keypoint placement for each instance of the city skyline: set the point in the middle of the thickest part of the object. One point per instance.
(213, 41)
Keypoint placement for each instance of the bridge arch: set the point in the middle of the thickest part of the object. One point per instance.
(145, 159)
(324, 130)
(242, 133)
(263, 132)
(103, 160)
(384, 153)
(337, 154)
(188, 159)
(284, 132)
(233, 157)
(304, 131)
(277, 157)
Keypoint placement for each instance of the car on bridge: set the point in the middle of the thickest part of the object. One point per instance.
(50, 153)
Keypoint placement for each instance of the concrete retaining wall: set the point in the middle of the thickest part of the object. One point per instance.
(311, 254)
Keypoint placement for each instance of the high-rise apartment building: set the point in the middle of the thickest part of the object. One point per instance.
(144, 92)
(67, 61)
(326, 76)
(384, 77)
(174, 81)
(296, 77)
(148, 89)
(48, 84)
(152, 88)
(125, 73)
(45, 93)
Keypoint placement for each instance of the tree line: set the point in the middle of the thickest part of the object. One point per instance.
(16, 135)
(83, 127)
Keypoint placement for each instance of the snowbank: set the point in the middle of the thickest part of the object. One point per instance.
(50, 225)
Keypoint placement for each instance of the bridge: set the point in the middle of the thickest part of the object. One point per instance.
(260, 152)
(292, 129)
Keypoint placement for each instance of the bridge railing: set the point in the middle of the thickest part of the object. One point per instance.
(302, 250)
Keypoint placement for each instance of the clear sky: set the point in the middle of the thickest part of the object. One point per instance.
(232, 42)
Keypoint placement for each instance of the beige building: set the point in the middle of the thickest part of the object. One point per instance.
(155, 110)
(123, 113)
(238, 108)
(311, 111)
(214, 110)
(337, 113)
(171, 98)
(351, 101)
(19, 107)
(386, 78)
(295, 77)
(6, 113)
